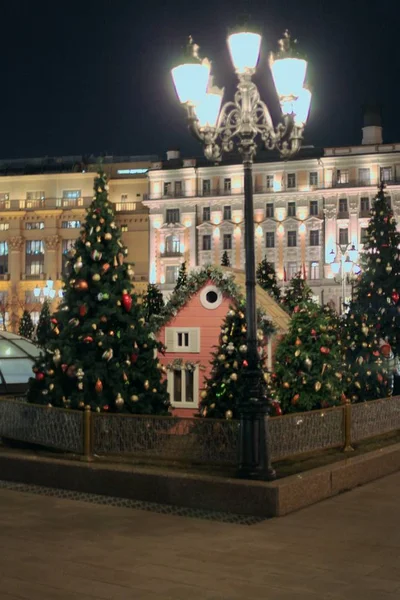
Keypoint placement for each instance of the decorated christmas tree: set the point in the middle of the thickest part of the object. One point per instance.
(153, 301)
(297, 292)
(266, 278)
(43, 330)
(182, 277)
(100, 352)
(227, 383)
(366, 367)
(26, 327)
(377, 292)
(225, 262)
(308, 370)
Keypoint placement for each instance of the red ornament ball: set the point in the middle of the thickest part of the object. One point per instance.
(82, 310)
(126, 301)
(40, 376)
(81, 285)
(324, 350)
(88, 339)
(134, 358)
(386, 350)
(395, 297)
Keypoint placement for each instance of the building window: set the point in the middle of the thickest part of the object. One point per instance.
(206, 187)
(314, 270)
(172, 245)
(291, 180)
(206, 242)
(70, 224)
(343, 237)
(167, 188)
(37, 195)
(364, 205)
(34, 247)
(124, 198)
(269, 213)
(363, 235)
(3, 258)
(227, 242)
(291, 209)
(342, 176)
(172, 215)
(4, 226)
(30, 297)
(178, 188)
(66, 246)
(183, 387)
(227, 213)
(314, 178)
(183, 339)
(35, 225)
(179, 340)
(270, 182)
(71, 194)
(206, 213)
(314, 237)
(313, 208)
(171, 274)
(292, 269)
(364, 176)
(4, 196)
(124, 228)
(292, 239)
(270, 239)
(35, 314)
(227, 185)
(386, 174)
(343, 205)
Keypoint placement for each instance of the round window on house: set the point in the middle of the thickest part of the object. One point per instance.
(211, 297)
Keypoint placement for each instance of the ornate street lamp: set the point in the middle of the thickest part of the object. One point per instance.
(242, 124)
(47, 292)
(344, 266)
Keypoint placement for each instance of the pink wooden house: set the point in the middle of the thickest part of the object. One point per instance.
(190, 335)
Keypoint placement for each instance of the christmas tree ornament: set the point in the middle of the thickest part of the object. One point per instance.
(82, 310)
(228, 414)
(395, 297)
(64, 367)
(243, 348)
(308, 362)
(96, 277)
(57, 357)
(105, 267)
(88, 339)
(80, 385)
(81, 285)
(317, 386)
(88, 244)
(50, 372)
(234, 376)
(119, 401)
(126, 301)
(134, 398)
(130, 272)
(51, 387)
(96, 255)
(98, 386)
(297, 353)
(78, 264)
(298, 342)
(286, 385)
(39, 376)
(221, 357)
(80, 374)
(324, 350)
(146, 384)
(108, 236)
(107, 354)
(73, 322)
(295, 399)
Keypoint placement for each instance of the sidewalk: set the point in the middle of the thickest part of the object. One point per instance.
(347, 547)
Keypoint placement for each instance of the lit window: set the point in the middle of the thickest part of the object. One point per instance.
(37, 195)
(342, 176)
(35, 225)
(70, 224)
(172, 245)
(4, 226)
(124, 197)
(3, 258)
(124, 228)
(292, 269)
(363, 235)
(71, 194)
(314, 270)
(171, 274)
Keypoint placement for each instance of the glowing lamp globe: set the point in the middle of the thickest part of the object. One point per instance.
(191, 81)
(244, 49)
(289, 75)
(347, 265)
(207, 111)
(335, 268)
(301, 107)
(353, 254)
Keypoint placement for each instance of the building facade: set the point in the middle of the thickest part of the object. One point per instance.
(308, 211)
(42, 205)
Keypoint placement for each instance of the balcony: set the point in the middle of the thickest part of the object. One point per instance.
(33, 277)
(4, 276)
(364, 214)
(171, 254)
(343, 214)
(45, 204)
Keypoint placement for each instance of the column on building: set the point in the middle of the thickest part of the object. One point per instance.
(15, 249)
(52, 244)
(330, 212)
(353, 224)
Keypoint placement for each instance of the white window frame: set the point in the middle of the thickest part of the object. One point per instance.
(170, 389)
(270, 182)
(292, 269)
(291, 181)
(174, 334)
(314, 271)
(313, 178)
(203, 297)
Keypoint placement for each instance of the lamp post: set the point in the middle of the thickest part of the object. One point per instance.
(346, 264)
(47, 292)
(241, 124)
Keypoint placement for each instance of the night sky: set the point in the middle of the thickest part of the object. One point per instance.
(93, 76)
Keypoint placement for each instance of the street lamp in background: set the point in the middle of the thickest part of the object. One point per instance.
(47, 292)
(241, 125)
(344, 264)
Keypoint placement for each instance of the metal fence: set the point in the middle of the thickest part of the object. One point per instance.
(192, 440)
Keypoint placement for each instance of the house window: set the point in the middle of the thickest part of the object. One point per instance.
(270, 182)
(291, 209)
(291, 180)
(314, 237)
(183, 339)
(171, 274)
(34, 225)
(363, 235)
(70, 224)
(364, 205)
(386, 174)
(67, 245)
(71, 194)
(206, 242)
(4, 226)
(269, 213)
(314, 270)
(227, 185)
(3, 258)
(342, 176)
(313, 208)
(270, 239)
(172, 215)
(343, 205)
(172, 245)
(227, 213)
(183, 387)
(178, 188)
(186, 339)
(313, 178)
(343, 237)
(124, 228)
(364, 176)
(292, 239)
(206, 187)
(292, 269)
(206, 213)
(227, 242)
(167, 188)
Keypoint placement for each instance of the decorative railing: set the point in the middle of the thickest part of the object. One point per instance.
(192, 440)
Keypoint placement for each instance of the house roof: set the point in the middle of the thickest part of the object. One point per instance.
(280, 318)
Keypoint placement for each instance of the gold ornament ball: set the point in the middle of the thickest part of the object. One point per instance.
(234, 376)
(107, 236)
(212, 405)
(317, 386)
(96, 277)
(119, 401)
(134, 398)
(146, 384)
(228, 414)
